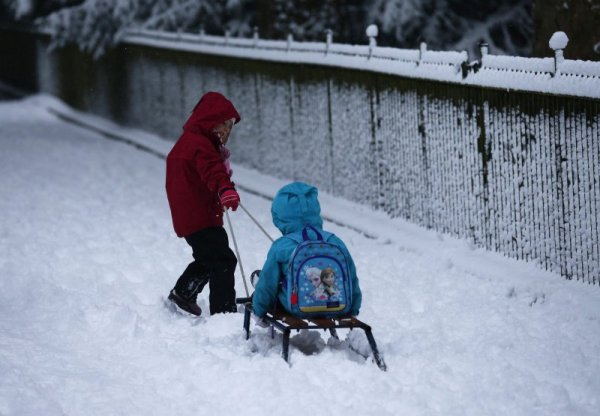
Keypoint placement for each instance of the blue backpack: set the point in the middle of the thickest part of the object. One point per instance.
(318, 282)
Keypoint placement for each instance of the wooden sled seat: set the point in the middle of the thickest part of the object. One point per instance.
(285, 323)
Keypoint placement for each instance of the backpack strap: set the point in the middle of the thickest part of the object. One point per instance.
(305, 236)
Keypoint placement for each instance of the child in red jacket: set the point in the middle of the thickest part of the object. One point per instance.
(199, 190)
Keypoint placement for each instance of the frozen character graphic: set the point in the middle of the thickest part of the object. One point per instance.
(314, 276)
(328, 282)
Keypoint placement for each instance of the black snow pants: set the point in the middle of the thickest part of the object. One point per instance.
(212, 258)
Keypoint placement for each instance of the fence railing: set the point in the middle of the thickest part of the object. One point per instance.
(553, 75)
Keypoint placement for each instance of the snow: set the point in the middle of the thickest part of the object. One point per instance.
(88, 254)
(558, 40)
(515, 63)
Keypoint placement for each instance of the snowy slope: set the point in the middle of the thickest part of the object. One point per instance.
(87, 254)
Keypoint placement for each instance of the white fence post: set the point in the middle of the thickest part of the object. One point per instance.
(484, 48)
(558, 42)
(422, 50)
(255, 37)
(328, 40)
(290, 39)
(372, 33)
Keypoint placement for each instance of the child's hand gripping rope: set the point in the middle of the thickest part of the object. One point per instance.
(229, 198)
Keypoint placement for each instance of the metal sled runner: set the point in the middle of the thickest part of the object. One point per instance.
(285, 323)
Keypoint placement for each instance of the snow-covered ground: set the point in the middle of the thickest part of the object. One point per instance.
(87, 254)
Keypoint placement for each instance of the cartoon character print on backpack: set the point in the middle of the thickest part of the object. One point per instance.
(319, 279)
(313, 275)
(328, 279)
(324, 285)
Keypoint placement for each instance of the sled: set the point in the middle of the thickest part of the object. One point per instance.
(285, 323)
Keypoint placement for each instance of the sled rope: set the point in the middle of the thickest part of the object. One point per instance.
(237, 253)
(257, 223)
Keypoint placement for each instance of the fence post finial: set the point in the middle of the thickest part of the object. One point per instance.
(328, 40)
(372, 33)
(558, 42)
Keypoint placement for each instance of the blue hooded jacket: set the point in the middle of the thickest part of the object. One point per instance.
(295, 206)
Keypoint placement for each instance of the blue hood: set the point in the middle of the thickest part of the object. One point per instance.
(295, 206)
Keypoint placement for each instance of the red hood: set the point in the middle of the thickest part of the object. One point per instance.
(212, 110)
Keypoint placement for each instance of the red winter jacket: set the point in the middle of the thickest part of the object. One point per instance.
(196, 168)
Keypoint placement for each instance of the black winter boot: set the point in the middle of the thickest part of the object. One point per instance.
(185, 293)
(188, 305)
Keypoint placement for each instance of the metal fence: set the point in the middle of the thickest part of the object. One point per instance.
(517, 172)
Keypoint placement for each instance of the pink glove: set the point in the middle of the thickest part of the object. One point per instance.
(229, 198)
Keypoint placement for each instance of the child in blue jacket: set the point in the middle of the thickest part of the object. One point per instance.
(294, 207)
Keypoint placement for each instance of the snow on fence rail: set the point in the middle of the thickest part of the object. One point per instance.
(553, 75)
